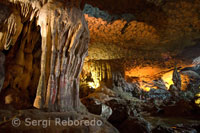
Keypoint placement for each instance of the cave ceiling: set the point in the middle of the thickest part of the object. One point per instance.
(131, 28)
(125, 6)
(125, 28)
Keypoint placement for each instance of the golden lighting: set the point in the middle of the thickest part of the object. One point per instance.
(197, 101)
(144, 73)
(167, 78)
(98, 72)
(94, 85)
(148, 74)
(197, 95)
(185, 80)
(145, 88)
(8, 99)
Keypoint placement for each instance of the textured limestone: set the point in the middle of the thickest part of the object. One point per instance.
(11, 26)
(99, 70)
(163, 28)
(64, 47)
(169, 27)
(20, 70)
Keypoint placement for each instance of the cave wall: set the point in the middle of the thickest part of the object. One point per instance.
(145, 35)
(170, 28)
(20, 43)
(45, 43)
(128, 33)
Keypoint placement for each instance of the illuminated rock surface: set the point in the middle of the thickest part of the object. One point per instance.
(140, 61)
(64, 46)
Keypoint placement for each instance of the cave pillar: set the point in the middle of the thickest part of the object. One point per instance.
(65, 39)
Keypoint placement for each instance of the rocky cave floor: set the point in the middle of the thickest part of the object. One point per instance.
(161, 110)
(124, 108)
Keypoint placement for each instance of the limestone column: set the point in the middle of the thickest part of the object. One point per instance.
(65, 39)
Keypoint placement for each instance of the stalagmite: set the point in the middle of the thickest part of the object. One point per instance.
(64, 46)
(176, 78)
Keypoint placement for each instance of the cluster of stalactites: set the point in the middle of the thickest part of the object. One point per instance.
(65, 39)
(96, 71)
(14, 13)
(11, 26)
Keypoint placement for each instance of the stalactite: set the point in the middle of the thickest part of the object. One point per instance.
(11, 28)
(64, 30)
(96, 71)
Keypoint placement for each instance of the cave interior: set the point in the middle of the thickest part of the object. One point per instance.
(132, 65)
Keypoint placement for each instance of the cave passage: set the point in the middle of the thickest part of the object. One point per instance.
(106, 66)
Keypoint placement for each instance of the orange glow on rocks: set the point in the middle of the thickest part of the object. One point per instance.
(144, 73)
(146, 76)
(167, 78)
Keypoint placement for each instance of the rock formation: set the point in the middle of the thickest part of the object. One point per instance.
(127, 35)
(120, 52)
(64, 39)
(64, 47)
